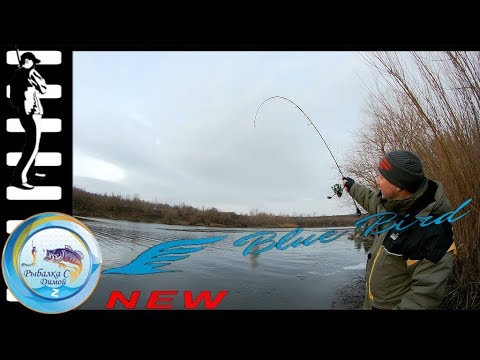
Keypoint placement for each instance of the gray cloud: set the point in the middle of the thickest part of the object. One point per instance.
(187, 135)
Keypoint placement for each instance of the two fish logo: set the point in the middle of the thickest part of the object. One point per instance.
(51, 263)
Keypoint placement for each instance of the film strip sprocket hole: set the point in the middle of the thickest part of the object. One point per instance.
(36, 144)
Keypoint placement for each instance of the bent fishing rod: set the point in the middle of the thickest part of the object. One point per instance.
(316, 129)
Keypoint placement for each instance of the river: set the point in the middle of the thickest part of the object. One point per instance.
(303, 277)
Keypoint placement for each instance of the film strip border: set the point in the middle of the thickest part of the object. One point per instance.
(54, 192)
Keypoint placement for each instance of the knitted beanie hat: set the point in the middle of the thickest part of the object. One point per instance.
(403, 169)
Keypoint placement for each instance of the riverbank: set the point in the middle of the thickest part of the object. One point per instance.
(350, 296)
(116, 207)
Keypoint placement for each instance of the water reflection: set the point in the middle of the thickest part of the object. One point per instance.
(305, 277)
(254, 257)
(362, 241)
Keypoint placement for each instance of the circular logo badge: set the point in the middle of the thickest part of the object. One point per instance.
(51, 263)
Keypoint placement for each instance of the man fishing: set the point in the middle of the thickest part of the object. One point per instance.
(25, 87)
(406, 269)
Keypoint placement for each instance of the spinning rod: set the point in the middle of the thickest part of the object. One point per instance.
(337, 190)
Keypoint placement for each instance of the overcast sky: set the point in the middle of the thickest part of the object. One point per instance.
(178, 127)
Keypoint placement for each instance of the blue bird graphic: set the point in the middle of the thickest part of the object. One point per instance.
(152, 260)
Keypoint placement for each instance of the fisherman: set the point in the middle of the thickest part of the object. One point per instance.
(25, 87)
(406, 269)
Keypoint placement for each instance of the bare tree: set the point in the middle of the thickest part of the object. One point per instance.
(429, 103)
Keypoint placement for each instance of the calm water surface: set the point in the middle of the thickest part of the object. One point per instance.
(295, 278)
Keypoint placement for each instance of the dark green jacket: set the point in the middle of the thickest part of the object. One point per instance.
(408, 269)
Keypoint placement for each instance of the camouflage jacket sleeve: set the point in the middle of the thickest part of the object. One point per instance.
(366, 197)
(429, 284)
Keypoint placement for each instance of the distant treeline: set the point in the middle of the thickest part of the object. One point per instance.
(134, 209)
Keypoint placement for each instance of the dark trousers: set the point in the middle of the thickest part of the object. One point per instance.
(24, 168)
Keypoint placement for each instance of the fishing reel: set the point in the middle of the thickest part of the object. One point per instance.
(337, 190)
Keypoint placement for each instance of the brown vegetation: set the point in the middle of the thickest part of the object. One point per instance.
(429, 103)
(135, 209)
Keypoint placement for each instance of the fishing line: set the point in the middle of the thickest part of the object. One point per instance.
(316, 129)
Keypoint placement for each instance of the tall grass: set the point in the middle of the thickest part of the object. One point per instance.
(429, 103)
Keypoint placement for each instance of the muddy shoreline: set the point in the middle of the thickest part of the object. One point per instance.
(350, 296)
